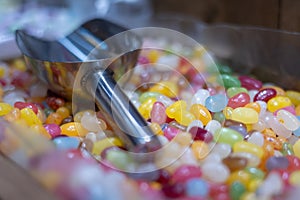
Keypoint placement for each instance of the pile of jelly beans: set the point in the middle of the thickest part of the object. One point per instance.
(239, 137)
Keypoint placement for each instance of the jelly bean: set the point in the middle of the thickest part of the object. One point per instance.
(177, 125)
(252, 160)
(238, 176)
(41, 130)
(147, 95)
(238, 100)
(288, 120)
(146, 107)
(186, 172)
(272, 185)
(276, 126)
(117, 158)
(5, 108)
(255, 173)
(212, 126)
(54, 118)
(201, 134)
(235, 163)
(287, 149)
(277, 163)
(263, 107)
(67, 120)
(167, 88)
(65, 143)
(200, 149)
(290, 109)
(259, 126)
(53, 130)
(297, 110)
(55, 102)
(227, 112)
(173, 190)
(201, 113)
(296, 148)
(184, 118)
(241, 129)
(243, 146)
(48, 111)
(256, 138)
(176, 108)
(73, 129)
(221, 149)
(278, 102)
(13, 115)
(294, 96)
(216, 103)
(237, 190)
(200, 96)
(165, 100)
(236, 90)
(294, 178)
(294, 162)
(196, 187)
(195, 123)
(219, 116)
(64, 112)
(265, 94)
(158, 113)
(92, 123)
(229, 81)
(170, 132)
(30, 117)
(22, 105)
(254, 105)
(227, 136)
(215, 172)
(224, 69)
(183, 138)
(245, 115)
(250, 83)
(100, 145)
(156, 129)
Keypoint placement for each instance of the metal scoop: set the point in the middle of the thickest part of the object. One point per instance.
(57, 63)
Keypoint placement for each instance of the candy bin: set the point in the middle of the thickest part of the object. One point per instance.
(226, 118)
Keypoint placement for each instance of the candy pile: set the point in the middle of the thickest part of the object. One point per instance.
(228, 136)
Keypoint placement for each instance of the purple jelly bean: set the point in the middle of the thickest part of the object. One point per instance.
(279, 162)
(250, 83)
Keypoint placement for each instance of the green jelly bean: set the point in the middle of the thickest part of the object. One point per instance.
(224, 69)
(287, 149)
(235, 90)
(255, 173)
(237, 189)
(228, 136)
(147, 95)
(118, 159)
(229, 81)
(219, 116)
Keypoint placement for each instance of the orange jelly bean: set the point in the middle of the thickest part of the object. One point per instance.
(201, 113)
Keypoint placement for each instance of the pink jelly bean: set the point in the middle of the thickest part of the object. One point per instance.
(250, 83)
(239, 100)
(53, 130)
(170, 132)
(20, 105)
(158, 113)
(265, 94)
(186, 172)
(290, 109)
(201, 134)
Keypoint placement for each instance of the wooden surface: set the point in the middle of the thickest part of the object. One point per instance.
(16, 184)
(278, 14)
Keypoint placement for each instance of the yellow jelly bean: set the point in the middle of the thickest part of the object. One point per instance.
(255, 106)
(296, 148)
(175, 108)
(253, 184)
(294, 178)
(13, 115)
(100, 145)
(297, 110)
(54, 118)
(153, 56)
(248, 147)
(227, 112)
(184, 118)
(245, 115)
(41, 130)
(146, 107)
(63, 111)
(30, 117)
(201, 113)
(73, 129)
(167, 88)
(240, 175)
(278, 102)
(155, 127)
(5, 108)
(293, 96)
(200, 149)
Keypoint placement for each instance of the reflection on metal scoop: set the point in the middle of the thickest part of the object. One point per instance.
(57, 64)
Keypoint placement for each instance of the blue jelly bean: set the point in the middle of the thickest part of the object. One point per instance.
(297, 132)
(279, 162)
(216, 103)
(65, 143)
(196, 187)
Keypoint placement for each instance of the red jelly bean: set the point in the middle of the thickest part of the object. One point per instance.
(158, 113)
(201, 134)
(239, 100)
(250, 83)
(53, 130)
(170, 132)
(265, 94)
(186, 172)
(215, 189)
(55, 102)
(173, 190)
(164, 176)
(20, 105)
(294, 163)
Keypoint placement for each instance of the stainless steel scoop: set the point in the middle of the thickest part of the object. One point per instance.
(57, 63)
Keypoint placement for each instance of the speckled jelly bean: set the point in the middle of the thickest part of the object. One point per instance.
(289, 121)
(238, 100)
(227, 136)
(278, 102)
(265, 94)
(250, 83)
(245, 115)
(243, 146)
(229, 81)
(216, 103)
(65, 143)
(201, 113)
(158, 113)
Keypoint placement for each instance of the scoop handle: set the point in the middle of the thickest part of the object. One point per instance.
(131, 126)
